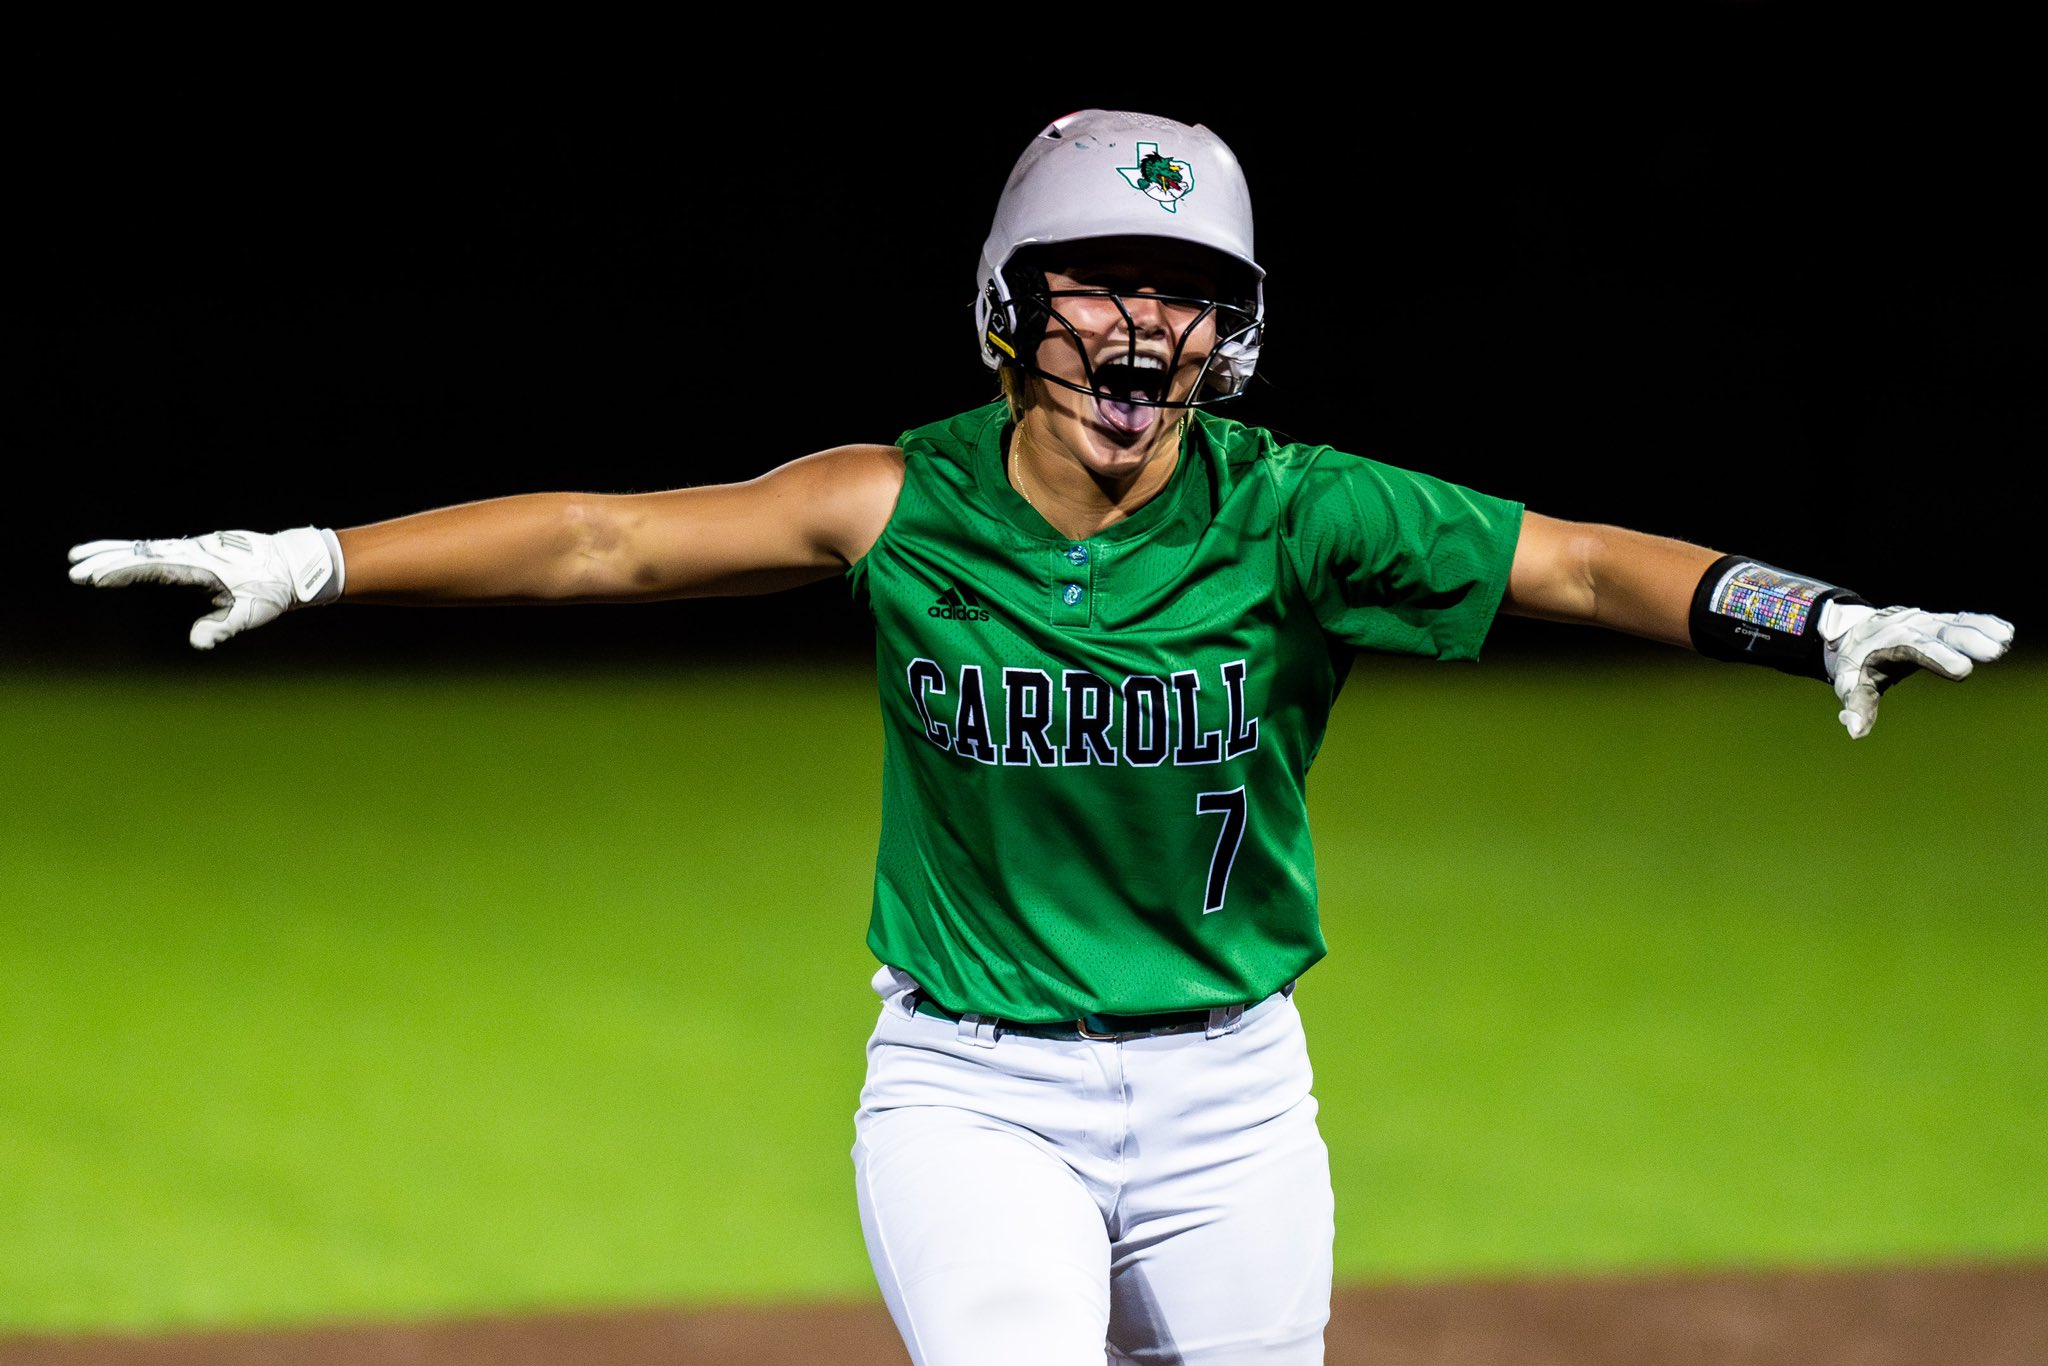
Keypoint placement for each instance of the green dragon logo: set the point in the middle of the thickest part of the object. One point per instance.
(1163, 179)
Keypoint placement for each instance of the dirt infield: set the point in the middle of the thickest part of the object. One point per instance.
(1993, 1315)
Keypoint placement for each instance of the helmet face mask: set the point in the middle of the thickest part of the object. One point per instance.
(1167, 202)
(1128, 370)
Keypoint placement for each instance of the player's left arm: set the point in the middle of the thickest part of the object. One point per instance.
(1731, 608)
(1588, 574)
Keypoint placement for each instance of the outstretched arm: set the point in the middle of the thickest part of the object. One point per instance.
(803, 521)
(1593, 575)
(800, 522)
(1741, 610)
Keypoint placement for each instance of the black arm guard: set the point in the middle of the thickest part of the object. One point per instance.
(1747, 612)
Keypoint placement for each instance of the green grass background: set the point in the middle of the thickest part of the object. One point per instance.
(346, 996)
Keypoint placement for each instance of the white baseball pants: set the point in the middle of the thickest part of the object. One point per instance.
(1073, 1203)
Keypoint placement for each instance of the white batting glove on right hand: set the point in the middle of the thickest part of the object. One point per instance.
(254, 578)
(1869, 649)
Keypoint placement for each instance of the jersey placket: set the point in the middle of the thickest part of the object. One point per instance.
(1073, 585)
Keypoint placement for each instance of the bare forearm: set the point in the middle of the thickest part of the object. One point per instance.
(796, 524)
(530, 548)
(1596, 575)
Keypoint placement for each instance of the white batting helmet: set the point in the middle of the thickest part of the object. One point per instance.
(1113, 173)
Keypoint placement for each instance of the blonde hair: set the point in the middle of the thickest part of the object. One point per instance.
(1010, 381)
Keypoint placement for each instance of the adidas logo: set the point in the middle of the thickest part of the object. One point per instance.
(957, 604)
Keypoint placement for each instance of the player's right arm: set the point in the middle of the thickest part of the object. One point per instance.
(800, 522)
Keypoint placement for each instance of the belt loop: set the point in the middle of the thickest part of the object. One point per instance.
(1225, 1020)
(977, 1031)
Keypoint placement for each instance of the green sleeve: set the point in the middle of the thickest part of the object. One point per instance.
(1393, 560)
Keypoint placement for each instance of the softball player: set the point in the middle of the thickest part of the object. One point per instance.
(1110, 624)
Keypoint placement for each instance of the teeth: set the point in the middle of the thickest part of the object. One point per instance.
(1137, 362)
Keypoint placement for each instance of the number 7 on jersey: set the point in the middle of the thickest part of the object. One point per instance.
(1231, 806)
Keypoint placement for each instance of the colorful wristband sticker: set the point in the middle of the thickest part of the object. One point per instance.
(1767, 597)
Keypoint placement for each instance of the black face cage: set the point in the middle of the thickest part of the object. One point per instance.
(1237, 327)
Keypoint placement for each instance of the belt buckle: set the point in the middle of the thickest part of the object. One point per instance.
(1127, 1035)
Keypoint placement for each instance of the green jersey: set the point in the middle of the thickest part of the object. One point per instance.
(1095, 753)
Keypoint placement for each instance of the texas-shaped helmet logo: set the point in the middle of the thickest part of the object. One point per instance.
(1162, 178)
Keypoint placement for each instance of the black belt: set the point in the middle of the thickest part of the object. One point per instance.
(1103, 1028)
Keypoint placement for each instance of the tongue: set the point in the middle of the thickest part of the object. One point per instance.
(1131, 418)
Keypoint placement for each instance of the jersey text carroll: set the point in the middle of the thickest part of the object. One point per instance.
(1028, 717)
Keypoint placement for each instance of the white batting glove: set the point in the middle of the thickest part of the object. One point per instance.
(254, 578)
(1870, 648)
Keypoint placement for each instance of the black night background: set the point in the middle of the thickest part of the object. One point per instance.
(1736, 277)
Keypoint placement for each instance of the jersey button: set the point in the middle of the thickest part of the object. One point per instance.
(1078, 555)
(1072, 594)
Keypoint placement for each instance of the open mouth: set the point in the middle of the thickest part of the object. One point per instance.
(1127, 389)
